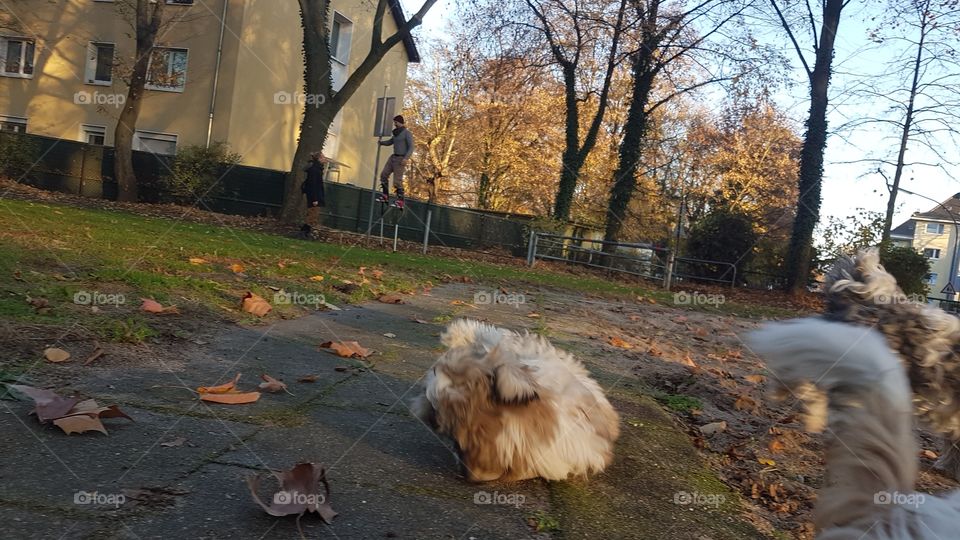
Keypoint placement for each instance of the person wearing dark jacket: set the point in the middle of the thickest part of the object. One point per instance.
(313, 189)
(402, 142)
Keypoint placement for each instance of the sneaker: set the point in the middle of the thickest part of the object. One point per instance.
(398, 204)
(382, 198)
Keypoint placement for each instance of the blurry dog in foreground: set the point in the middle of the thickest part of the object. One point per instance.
(872, 458)
(860, 291)
(516, 407)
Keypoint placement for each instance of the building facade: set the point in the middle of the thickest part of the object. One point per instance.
(934, 234)
(223, 70)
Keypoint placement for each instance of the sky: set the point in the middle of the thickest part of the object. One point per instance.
(846, 187)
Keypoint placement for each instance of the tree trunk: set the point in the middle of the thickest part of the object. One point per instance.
(811, 155)
(904, 137)
(147, 24)
(570, 162)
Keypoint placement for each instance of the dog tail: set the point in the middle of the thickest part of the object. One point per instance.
(872, 452)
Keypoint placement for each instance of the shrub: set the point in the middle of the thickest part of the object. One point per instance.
(722, 235)
(18, 154)
(908, 267)
(197, 170)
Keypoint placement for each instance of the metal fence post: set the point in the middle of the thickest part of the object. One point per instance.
(532, 248)
(668, 272)
(426, 231)
(396, 233)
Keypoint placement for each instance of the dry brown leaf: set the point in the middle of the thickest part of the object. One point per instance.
(55, 355)
(929, 454)
(746, 403)
(533, 315)
(152, 306)
(377, 274)
(47, 404)
(80, 423)
(687, 361)
(391, 298)
(197, 260)
(69, 414)
(316, 278)
(221, 388)
(308, 379)
(236, 268)
(299, 492)
(776, 445)
(617, 342)
(713, 428)
(231, 398)
(755, 379)
(346, 349)
(255, 305)
(270, 384)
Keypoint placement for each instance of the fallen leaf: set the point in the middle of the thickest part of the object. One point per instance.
(377, 274)
(617, 342)
(766, 461)
(55, 355)
(220, 389)
(236, 268)
(175, 442)
(97, 353)
(533, 315)
(308, 379)
(392, 298)
(69, 414)
(776, 445)
(316, 278)
(419, 321)
(390, 335)
(281, 265)
(231, 398)
(270, 384)
(80, 423)
(255, 305)
(299, 492)
(197, 260)
(687, 361)
(745, 402)
(713, 428)
(47, 404)
(347, 349)
(929, 454)
(152, 306)
(755, 379)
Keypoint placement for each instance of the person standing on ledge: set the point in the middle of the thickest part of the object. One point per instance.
(402, 142)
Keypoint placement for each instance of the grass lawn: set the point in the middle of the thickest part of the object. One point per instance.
(53, 252)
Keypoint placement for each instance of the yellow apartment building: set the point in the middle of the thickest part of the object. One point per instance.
(934, 233)
(224, 70)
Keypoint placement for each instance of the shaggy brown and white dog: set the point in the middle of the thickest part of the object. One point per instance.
(868, 490)
(516, 407)
(860, 291)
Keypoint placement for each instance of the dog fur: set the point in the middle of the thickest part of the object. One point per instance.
(516, 407)
(860, 291)
(868, 490)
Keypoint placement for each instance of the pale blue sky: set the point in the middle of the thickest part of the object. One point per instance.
(845, 188)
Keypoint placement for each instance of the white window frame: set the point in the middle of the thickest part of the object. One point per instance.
(93, 129)
(139, 135)
(939, 228)
(934, 255)
(21, 121)
(340, 62)
(331, 146)
(4, 43)
(186, 68)
(93, 58)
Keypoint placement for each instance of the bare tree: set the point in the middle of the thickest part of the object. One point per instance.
(316, 121)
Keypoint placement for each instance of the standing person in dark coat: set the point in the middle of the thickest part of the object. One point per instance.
(402, 142)
(313, 188)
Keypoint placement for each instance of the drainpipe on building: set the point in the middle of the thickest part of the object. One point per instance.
(216, 72)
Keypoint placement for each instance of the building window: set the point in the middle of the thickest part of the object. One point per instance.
(340, 37)
(931, 253)
(100, 63)
(167, 69)
(935, 228)
(332, 145)
(13, 124)
(94, 134)
(181, 2)
(932, 278)
(155, 143)
(17, 54)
